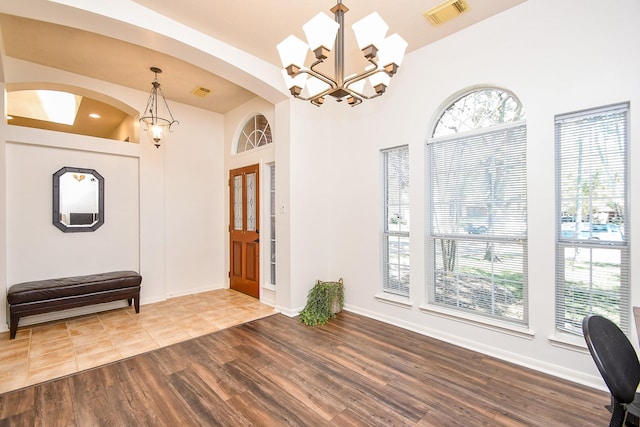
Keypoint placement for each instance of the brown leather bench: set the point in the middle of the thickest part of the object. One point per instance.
(44, 296)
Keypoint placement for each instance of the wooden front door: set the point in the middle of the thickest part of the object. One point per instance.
(244, 201)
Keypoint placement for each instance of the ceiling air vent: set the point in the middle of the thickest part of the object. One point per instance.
(201, 92)
(445, 11)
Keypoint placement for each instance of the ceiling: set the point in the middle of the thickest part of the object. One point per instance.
(254, 26)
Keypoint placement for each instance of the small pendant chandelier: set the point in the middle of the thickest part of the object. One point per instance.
(383, 53)
(157, 117)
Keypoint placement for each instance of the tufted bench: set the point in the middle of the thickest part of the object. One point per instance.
(44, 296)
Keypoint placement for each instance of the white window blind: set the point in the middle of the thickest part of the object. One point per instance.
(396, 221)
(478, 228)
(592, 250)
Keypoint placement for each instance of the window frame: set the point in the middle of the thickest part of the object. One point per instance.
(577, 243)
(403, 288)
(435, 237)
(271, 167)
(253, 135)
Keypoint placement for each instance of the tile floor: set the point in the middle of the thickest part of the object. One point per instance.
(46, 351)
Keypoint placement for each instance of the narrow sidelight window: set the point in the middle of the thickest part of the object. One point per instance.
(396, 221)
(272, 217)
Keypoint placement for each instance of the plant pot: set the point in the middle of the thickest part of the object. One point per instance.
(336, 306)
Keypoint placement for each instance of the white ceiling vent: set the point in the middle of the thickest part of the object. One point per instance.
(445, 11)
(201, 91)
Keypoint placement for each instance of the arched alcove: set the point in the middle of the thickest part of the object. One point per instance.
(95, 114)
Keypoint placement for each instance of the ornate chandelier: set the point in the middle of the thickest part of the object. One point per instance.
(157, 116)
(383, 53)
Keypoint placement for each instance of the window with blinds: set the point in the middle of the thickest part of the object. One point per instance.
(478, 207)
(592, 250)
(396, 221)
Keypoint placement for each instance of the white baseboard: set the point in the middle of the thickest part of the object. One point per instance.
(192, 291)
(289, 312)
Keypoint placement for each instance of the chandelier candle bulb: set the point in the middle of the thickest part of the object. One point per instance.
(321, 31)
(293, 52)
(391, 51)
(370, 30)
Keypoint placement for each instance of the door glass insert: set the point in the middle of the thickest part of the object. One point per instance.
(237, 202)
(251, 202)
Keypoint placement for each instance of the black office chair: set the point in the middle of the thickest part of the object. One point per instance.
(618, 364)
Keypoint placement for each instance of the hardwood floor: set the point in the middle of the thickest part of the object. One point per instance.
(275, 371)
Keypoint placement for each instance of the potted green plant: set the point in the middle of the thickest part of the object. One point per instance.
(324, 301)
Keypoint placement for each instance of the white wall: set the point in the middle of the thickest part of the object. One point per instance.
(571, 59)
(164, 207)
(310, 206)
(195, 203)
(37, 249)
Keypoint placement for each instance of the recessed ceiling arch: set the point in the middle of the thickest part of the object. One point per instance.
(117, 120)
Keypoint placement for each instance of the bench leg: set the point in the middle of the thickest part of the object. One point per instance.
(13, 325)
(136, 303)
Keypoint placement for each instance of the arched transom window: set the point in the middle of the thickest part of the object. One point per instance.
(256, 133)
(479, 109)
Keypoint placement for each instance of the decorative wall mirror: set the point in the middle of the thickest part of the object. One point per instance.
(78, 199)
